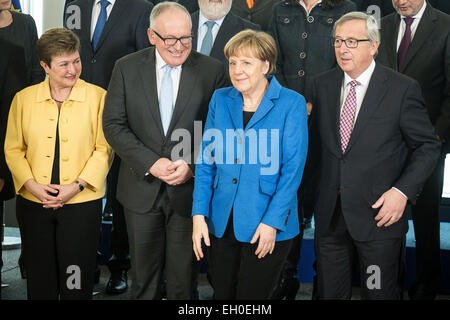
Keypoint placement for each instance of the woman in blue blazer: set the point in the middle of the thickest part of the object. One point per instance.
(248, 171)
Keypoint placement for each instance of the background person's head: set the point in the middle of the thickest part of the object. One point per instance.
(215, 9)
(407, 8)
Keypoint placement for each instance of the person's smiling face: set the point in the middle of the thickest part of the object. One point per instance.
(64, 70)
(172, 24)
(247, 72)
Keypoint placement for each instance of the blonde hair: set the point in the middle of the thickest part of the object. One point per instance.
(258, 43)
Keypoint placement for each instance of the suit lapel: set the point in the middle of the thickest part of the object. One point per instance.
(119, 7)
(235, 109)
(225, 30)
(195, 18)
(390, 41)
(148, 75)
(424, 30)
(86, 22)
(334, 98)
(372, 100)
(188, 80)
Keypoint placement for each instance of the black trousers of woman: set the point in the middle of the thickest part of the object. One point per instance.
(61, 249)
(235, 271)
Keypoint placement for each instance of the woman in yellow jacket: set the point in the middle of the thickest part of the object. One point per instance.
(59, 159)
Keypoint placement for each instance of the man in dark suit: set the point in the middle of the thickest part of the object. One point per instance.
(381, 7)
(256, 11)
(13, 79)
(377, 148)
(213, 25)
(421, 50)
(154, 98)
(109, 30)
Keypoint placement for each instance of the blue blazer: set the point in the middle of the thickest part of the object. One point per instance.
(255, 172)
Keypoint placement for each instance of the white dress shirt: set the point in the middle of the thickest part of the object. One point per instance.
(202, 28)
(96, 12)
(175, 74)
(361, 89)
(416, 21)
(302, 3)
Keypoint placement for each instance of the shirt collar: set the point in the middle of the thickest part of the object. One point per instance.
(302, 3)
(110, 1)
(78, 92)
(160, 63)
(419, 14)
(364, 78)
(202, 19)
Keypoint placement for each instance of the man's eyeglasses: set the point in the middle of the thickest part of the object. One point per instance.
(186, 40)
(350, 42)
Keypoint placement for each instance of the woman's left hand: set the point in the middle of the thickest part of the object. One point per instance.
(266, 235)
(66, 192)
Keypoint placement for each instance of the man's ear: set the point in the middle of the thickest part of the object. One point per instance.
(151, 36)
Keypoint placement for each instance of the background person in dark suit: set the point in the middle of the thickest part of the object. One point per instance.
(377, 148)
(256, 11)
(422, 51)
(124, 31)
(367, 6)
(153, 93)
(224, 25)
(13, 78)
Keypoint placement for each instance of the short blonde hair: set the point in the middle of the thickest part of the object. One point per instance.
(258, 43)
(55, 42)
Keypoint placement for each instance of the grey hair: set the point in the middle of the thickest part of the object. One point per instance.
(373, 33)
(164, 6)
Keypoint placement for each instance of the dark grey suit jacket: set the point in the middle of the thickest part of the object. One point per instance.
(231, 25)
(392, 145)
(259, 14)
(132, 124)
(427, 61)
(125, 32)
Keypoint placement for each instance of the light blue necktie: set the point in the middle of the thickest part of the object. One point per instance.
(101, 21)
(166, 99)
(207, 42)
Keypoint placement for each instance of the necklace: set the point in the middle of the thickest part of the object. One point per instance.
(58, 100)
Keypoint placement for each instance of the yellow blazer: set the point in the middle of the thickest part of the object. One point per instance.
(31, 136)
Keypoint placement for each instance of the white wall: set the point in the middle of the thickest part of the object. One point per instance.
(46, 13)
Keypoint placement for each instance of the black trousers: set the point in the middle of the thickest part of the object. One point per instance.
(120, 258)
(61, 249)
(161, 241)
(380, 264)
(235, 271)
(425, 216)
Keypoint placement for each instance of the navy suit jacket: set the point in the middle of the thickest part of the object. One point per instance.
(125, 32)
(237, 177)
(427, 61)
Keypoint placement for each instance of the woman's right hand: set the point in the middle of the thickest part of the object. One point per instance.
(43, 192)
(199, 231)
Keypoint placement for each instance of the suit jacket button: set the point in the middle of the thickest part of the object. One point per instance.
(310, 19)
(234, 180)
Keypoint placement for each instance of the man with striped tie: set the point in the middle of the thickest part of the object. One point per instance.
(377, 147)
